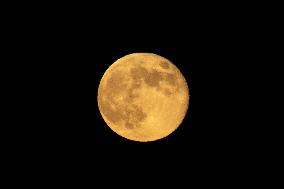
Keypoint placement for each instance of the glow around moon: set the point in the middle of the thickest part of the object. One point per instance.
(143, 97)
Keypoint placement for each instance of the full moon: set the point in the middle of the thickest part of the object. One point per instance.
(143, 97)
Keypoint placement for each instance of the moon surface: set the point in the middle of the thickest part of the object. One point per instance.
(143, 97)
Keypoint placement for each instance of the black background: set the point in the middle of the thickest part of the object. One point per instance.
(63, 53)
(205, 146)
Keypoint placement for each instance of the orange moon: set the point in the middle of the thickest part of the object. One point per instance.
(143, 97)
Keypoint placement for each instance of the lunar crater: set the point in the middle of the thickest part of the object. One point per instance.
(151, 78)
(125, 110)
(164, 65)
